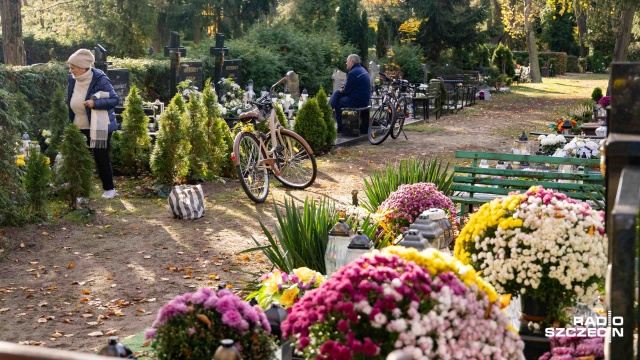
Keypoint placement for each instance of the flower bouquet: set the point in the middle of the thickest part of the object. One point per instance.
(232, 96)
(573, 347)
(550, 143)
(425, 303)
(540, 244)
(192, 325)
(579, 147)
(285, 288)
(404, 205)
(557, 126)
(604, 101)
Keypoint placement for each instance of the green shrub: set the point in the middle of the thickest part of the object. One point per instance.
(36, 181)
(408, 59)
(115, 153)
(572, 64)
(300, 236)
(196, 136)
(136, 142)
(12, 196)
(327, 115)
(596, 94)
(77, 168)
(37, 84)
(310, 125)
(503, 60)
(170, 157)
(597, 63)
(219, 141)
(58, 121)
(380, 184)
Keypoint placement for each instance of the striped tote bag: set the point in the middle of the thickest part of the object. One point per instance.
(186, 202)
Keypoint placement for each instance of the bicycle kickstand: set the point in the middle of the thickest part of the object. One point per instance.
(404, 133)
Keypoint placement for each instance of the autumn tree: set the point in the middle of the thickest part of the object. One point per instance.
(623, 35)
(12, 41)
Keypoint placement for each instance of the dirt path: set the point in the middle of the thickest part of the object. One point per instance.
(66, 279)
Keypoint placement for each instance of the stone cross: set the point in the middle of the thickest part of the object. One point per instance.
(219, 51)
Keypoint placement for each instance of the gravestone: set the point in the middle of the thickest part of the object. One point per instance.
(174, 45)
(120, 82)
(339, 78)
(100, 56)
(374, 70)
(293, 84)
(232, 69)
(191, 70)
(219, 51)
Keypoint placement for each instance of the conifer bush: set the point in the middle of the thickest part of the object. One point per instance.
(219, 141)
(196, 135)
(170, 157)
(11, 194)
(327, 115)
(58, 121)
(135, 144)
(310, 125)
(36, 181)
(77, 168)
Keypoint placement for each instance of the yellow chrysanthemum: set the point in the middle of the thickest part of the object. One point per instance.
(47, 160)
(20, 162)
(288, 296)
(438, 262)
(271, 284)
(304, 274)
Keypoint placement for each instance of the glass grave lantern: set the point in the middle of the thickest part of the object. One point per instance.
(412, 238)
(439, 216)
(339, 239)
(360, 244)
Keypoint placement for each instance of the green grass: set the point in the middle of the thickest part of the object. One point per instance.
(424, 128)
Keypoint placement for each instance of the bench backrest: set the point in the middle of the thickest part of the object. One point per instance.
(474, 179)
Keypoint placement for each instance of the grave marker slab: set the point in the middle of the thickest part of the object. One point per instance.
(232, 69)
(191, 70)
(293, 84)
(120, 82)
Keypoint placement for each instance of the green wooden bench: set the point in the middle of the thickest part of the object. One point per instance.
(475, 185)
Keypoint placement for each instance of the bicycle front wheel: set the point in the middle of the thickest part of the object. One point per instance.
(295, 160)
(380, 124)
(253, 177)
(402, 114)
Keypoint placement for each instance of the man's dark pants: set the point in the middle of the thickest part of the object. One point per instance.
(338, 101)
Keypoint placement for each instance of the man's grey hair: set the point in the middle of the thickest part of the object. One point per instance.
(355, 58)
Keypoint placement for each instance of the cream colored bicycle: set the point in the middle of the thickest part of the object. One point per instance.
(281, 152)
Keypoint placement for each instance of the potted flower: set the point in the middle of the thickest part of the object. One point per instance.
(426, 304)
(550, 143)
(192, 325)
(404, 205)
(579, 147)
(286, 289)
(542, 245)
(573, 347)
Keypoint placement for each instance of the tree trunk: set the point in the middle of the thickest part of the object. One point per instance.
(534, 66)
(497, 19)
(12, 41)
(623, 36)
(197, 29)
(582, 35)
(162, 31)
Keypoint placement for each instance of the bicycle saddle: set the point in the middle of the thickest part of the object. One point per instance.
(251, 114)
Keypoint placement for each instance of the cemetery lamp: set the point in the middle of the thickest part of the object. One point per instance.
(440, 218)
(523, 144)
(287, 95)
(339, 239)
(304, 95)
(412, 238)
(250, 89)
(566, 127)
(263, 91)
(360, 244)
(429, 230)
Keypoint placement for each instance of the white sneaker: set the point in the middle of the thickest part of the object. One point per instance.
(109, 194)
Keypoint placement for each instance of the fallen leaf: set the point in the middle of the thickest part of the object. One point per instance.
(140, 310)
(109, 277)
(146, 343)
(70, 266)
(66, 321)
(204, 319)
(42, 320)
(22, 245)
(111, 332)
(93, 323)
(86, 316)
(86, 291)
(69, 335)
(147, 256)
(96, 333)
(45, 233)
(56, 335)
(33, 262)
(4, 310)
(44, 303)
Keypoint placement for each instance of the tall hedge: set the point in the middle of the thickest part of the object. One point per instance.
(219, 141)
(198, 155)
(310, 125)
(327, 116)
(170, 157)
(58, 120)
(77, 168)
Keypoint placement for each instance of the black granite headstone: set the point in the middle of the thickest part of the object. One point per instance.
(191, 70)
(232, 69)
(120, 82)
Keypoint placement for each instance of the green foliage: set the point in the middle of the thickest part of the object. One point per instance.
(300, 236)
(136, 142)
(363, 38)
(597, 62)
(347, 21)
(561, 59)
(36, 181)
(596, 94)
(408, 58)
(380, 184)
(198, 156)
(218, 136)
(115, 153)
(503, 60)
(310, 125)
(558, 31)
(169, 160)
(58, 121)
(37, 84)
(327, 116)
(572, 64)
(77, 168)
(382, 38)
(314, 16)
(282, 119)
(12, 196)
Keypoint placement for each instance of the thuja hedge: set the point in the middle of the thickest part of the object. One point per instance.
(522, 58)
(43, 50)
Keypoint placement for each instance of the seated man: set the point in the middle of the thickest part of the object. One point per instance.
(356, 92)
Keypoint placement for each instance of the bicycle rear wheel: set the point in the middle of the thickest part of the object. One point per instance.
(295, 160)
(402, 114)
(253, 177)
(380, 124)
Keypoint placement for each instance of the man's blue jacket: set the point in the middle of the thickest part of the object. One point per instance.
(358, 86)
